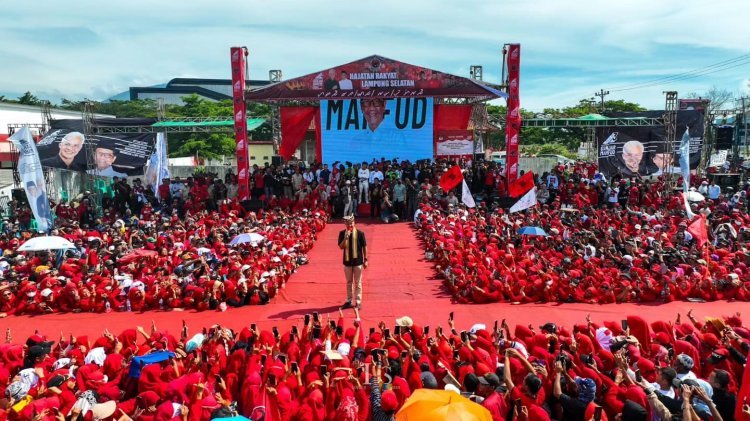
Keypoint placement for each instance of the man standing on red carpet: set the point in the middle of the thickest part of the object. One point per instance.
(353, 242)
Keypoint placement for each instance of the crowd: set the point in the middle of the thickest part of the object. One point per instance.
(339, 369)
(143, 253)
(607, 241)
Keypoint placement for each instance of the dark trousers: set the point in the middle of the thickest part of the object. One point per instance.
(374, 208)
(398, 208)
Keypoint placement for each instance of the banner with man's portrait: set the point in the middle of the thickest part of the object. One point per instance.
(358, 130)
(32, 178)
(632, 151)
(113, 154)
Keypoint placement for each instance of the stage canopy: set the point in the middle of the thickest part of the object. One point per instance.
(374, 77)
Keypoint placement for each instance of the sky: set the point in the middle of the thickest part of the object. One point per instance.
(570, 49)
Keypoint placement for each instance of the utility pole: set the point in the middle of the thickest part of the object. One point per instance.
(601, 94)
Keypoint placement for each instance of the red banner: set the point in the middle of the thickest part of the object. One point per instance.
(374, 77)
(239, 57)
(294, 124)
(513, 118)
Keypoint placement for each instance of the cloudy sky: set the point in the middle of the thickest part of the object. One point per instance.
(570, 49)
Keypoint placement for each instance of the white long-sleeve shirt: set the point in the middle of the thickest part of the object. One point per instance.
(363, 174)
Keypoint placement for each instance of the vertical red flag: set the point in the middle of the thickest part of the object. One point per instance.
(522, 185)
(513, 117)
(698, 230)
(239, 60)
(451, 178)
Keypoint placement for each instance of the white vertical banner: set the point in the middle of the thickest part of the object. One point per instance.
(685, 169)
(32, 178)
(466, 196)
(158, 164)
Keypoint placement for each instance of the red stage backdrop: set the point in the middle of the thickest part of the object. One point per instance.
(375, 77)
(239, 60)
(513, 119)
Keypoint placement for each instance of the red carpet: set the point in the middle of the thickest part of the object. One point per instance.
(398, 282)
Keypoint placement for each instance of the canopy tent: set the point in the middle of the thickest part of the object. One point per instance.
(375, 77)
(252, 123)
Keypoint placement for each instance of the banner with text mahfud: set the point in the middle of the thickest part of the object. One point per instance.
(358, 130)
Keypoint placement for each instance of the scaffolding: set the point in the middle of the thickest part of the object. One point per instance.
(275, 76)
(91, 177)
(670, 129)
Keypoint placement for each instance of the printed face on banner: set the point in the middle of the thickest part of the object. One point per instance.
(642, 151)
(374, 77)
(360, 130)
(114, 155)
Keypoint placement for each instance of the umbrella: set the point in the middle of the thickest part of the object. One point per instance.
(532, 231)
(51, 242)
(248, 237)
(135, 255)
(428, 404)
(694, 196)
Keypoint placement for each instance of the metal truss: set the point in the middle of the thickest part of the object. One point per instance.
(610, 122)
(670, 131)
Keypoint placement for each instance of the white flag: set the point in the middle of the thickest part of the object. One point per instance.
(466, 196)
(526, 201)
(32, 178)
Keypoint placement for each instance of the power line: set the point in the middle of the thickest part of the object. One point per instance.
(683, 78)
(722, 65)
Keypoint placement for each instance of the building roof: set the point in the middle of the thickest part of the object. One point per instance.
(185, 86)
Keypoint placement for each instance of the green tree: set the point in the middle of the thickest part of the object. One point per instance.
(210, 146)
(29, 99)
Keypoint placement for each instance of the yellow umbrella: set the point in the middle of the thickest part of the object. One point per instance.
(438, 405)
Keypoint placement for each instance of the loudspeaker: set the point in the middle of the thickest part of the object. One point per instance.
(276, 160)
(724, 137)
(252, 205)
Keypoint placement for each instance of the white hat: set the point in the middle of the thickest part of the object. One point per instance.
(96, 356)
(452, 388)
(477, 327)
(405, 321)
(344, 349)
(60, 363)
(46, 292)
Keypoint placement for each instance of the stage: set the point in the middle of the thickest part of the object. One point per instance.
(398, 282)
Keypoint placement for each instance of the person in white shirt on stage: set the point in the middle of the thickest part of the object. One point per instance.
(363, 177)
(375, 174)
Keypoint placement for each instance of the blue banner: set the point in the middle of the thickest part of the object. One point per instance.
(358, 130)
(158, 165)
(32, 178)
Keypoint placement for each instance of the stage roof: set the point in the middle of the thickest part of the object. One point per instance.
(252, 123)
(374, 77)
